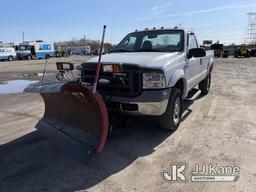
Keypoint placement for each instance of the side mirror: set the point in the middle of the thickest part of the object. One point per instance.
(196, 52)
(111, 51)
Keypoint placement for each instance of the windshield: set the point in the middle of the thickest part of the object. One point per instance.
(152, 41)
(23, 47)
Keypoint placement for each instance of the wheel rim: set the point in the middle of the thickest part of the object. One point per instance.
(176, 111)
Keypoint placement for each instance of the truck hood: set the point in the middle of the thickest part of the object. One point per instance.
(143, 59)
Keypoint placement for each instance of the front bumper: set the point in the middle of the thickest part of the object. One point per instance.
(21, 55)
(150, 102)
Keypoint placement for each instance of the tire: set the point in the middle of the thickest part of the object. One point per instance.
(171, 119)
(47, 56)
(29, 57)
(10, 58)
(205, 85)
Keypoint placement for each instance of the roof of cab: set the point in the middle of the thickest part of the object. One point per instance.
(161, 28)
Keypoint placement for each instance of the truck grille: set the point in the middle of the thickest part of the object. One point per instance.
(130, 86)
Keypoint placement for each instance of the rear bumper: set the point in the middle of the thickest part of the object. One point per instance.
(150, 102)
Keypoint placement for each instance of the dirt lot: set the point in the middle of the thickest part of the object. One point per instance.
(219, 128)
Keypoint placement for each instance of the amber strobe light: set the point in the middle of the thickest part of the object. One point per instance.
(116, 68)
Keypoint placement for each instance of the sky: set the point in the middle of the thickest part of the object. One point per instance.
(59, 20)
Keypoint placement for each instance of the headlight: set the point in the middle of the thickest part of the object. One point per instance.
(153, 81)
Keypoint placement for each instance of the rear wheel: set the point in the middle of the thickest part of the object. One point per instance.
(10, 58)
(47, 56)
(205, 85)
(29, 57)
(171, 119)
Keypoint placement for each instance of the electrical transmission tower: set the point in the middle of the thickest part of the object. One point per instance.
(252, 28)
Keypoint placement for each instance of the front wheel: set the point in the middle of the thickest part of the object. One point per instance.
(205, 85)
(29, 57)
(171, 119)
(10, 58)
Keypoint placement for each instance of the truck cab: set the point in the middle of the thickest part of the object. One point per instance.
(35, 50)
(151, 72)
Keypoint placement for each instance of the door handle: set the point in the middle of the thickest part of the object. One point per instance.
(201, 61)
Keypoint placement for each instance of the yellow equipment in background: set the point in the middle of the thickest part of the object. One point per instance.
(242, 51)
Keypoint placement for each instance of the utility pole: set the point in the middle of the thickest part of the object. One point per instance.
(23, 37)
(84, 40)
(252, 28)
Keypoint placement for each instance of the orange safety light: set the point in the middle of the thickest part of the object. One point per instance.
(116, 68)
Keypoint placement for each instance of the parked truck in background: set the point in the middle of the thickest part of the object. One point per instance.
(7, 53)
(80, 50)
(35, 50)
(218, 49)
(242, 51)
(61, 52)
(207, 44)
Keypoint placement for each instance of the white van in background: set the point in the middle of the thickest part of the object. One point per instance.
(80, 50)
(7, 53)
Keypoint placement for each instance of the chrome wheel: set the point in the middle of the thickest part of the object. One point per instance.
(176, 111)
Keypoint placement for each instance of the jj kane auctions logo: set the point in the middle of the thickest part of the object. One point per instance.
(178, 172)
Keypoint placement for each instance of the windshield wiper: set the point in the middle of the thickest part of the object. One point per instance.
(139, 50)
(149, 50)
(122, 50)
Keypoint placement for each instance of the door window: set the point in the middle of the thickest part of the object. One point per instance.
(192, 42)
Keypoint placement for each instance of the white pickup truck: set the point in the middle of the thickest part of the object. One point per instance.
(151, 72)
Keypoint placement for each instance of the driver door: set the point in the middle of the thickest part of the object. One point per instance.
(193, 68)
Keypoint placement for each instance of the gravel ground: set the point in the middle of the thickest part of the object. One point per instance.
(218, 128)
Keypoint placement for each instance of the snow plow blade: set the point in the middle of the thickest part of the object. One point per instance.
(75, 119)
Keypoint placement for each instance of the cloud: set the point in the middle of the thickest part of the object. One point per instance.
(158, 10)
(165, 6)
(117, 8)
(203, 11)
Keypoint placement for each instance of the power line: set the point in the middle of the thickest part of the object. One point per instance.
(252, 27)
